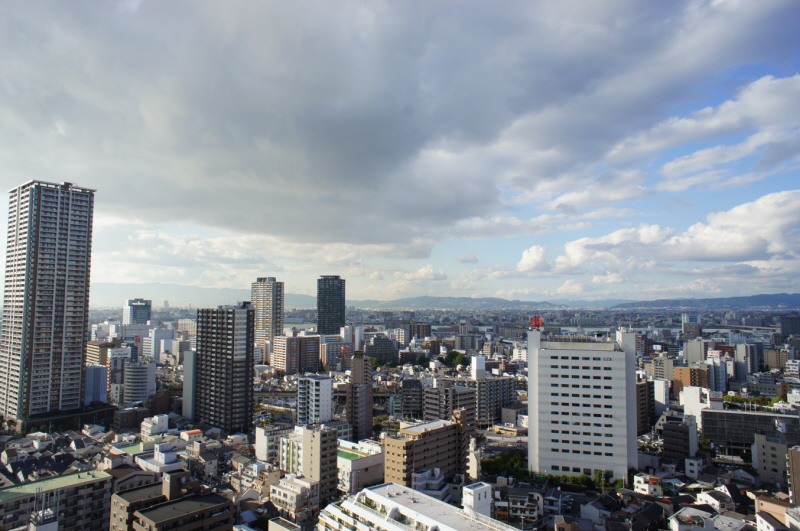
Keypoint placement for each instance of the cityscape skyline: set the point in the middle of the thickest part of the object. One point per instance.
(435, 149)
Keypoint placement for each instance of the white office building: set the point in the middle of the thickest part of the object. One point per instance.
(582, 405)
(314, 400)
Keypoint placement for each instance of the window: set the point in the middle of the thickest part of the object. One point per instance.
(555, 467)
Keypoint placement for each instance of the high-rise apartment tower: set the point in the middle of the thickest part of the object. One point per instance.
(330, 304)
(46, 298)
(223, 389)
(358, 399)
(267, 297)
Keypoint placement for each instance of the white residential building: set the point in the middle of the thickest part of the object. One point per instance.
(478, 498)
(155, 425)
(360, 464)
(268, 442)
(296, 497)
(393, 507)
(314, 400)
(582, 407)
(648, 485)
(695, 399)
(164, 459)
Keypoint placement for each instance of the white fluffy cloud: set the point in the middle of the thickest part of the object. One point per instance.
(534, 259)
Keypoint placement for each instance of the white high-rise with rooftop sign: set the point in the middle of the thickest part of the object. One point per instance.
(582, 405)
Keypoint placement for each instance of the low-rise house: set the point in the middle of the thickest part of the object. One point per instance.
(767, 522)
(718, 500)
(647, 484)
(691, 519)
(603, 507)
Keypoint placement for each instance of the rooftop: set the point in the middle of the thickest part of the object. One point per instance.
(349, 455)
(183, 507)
(421, 507)
(426, 426)
(61, 482)
(141, 493)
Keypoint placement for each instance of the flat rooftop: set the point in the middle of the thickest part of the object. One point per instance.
(147, 492)
(183, 507)
(579, 345)
(61, 482)
(350, 456)
(410, 501)
(426, 426)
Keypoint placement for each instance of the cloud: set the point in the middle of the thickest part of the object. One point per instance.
(469, 258)
(765, 229)
(533, 259)
(289, 136)
(570, 287)
(424, 273)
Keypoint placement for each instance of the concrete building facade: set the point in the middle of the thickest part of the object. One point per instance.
(582, 405)
(224, 367)
(46, 299)
(267, 296)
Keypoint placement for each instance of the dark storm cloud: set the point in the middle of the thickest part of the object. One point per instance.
(360, 122)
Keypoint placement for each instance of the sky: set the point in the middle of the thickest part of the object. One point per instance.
(526, 150)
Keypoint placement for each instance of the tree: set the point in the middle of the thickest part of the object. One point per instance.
(423, 361)
(462, 360)
(450, 358)
(375, 362)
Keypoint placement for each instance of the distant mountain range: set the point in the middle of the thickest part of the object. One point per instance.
(454, 303)
(114, 295)
(775, 301)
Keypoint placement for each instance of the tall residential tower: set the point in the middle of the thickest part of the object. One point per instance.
(267, 298)
(46, 298)
(223, 367)
(330, 304)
